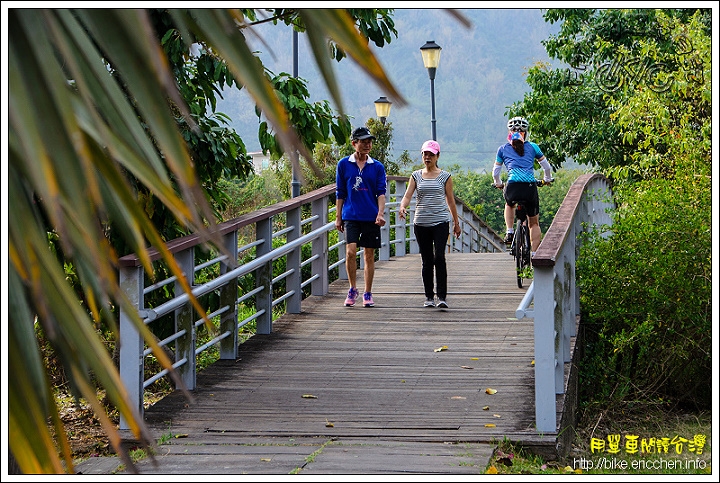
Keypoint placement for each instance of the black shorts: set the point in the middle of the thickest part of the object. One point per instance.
(364, 233)
(524, 193)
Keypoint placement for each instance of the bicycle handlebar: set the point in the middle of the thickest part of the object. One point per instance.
(538, 182)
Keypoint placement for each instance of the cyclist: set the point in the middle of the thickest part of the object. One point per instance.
(519, 155)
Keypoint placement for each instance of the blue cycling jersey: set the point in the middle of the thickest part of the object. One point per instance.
(520, 168)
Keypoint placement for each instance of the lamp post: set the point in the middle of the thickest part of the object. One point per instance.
(431, 58)
(295, 192)
(382, 108)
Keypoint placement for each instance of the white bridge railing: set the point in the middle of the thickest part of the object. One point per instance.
(553, 298)
(284, 252)
(291, 249)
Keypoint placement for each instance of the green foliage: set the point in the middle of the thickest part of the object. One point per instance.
(646, 292)
(477, 192)
(649, 328)
(382, 143)
(106, 134)
(611, 53)
(314, 122)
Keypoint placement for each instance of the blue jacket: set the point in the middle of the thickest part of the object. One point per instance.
(360, 189)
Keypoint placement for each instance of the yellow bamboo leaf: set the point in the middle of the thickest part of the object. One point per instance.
(474, 358)
(181, 435)
(443, 348)
(489, 425)
(309, 396)
(486, 408)
(266, 459)
(533, 362)
(497, 415)
(328, 424)
(490, 390)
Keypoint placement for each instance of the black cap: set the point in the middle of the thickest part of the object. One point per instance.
(362, 133)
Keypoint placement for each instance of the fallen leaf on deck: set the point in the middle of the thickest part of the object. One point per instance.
(265, 459)
(466, 367)
(490, 390)
(309, 396)
(486, 408)
(181, 435)
(328, 424)
(497, 415)
(489, 425)
(443, 348)
(474, 358)
(458, 397)
(533, 362)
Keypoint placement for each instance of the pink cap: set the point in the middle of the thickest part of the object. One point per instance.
(431, 146)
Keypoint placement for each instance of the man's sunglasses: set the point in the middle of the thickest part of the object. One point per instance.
(517, 129)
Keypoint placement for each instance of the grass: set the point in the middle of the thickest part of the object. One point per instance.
(670, 432)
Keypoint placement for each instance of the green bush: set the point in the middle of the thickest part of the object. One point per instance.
(646, 298)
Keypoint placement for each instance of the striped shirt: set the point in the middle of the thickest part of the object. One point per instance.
(432, 207)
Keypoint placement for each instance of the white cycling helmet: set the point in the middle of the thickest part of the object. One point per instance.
(518, 123)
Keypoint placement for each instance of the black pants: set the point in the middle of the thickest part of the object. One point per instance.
(432, 241)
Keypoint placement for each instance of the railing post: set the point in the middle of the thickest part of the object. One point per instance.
(293, 259)
(320, 285)
(400, 225)
(131, 342)
(545, 337)
(342, 255)
(384, 251)
(185, 320)
(263, 277)
(228, 298)
(414, 248)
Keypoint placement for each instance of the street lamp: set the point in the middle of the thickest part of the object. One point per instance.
(382, 108)
(431, 58)
(295, 185)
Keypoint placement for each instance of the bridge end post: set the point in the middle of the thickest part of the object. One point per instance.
(130, 340)
(546, 338)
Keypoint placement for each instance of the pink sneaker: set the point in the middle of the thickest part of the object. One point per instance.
(351, 297)
(367, 300)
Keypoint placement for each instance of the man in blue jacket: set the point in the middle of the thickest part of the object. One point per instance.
(361, 183)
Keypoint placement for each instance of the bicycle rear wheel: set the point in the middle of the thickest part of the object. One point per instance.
(522, 251)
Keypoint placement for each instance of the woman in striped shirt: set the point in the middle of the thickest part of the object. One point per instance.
(434, 210)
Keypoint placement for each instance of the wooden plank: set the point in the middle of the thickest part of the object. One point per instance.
(375, 376)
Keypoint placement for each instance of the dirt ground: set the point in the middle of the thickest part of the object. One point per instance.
(85, 433)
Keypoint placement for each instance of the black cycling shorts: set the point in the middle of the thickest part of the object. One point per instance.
(364, 233)
(524, 193)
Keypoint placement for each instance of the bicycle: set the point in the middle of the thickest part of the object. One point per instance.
(520, 246)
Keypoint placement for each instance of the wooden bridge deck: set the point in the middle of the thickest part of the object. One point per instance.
(384, 399)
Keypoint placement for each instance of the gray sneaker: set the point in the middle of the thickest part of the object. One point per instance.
(429, 303)
(442, 304)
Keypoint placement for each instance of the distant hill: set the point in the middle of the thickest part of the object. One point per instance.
(482, 71)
